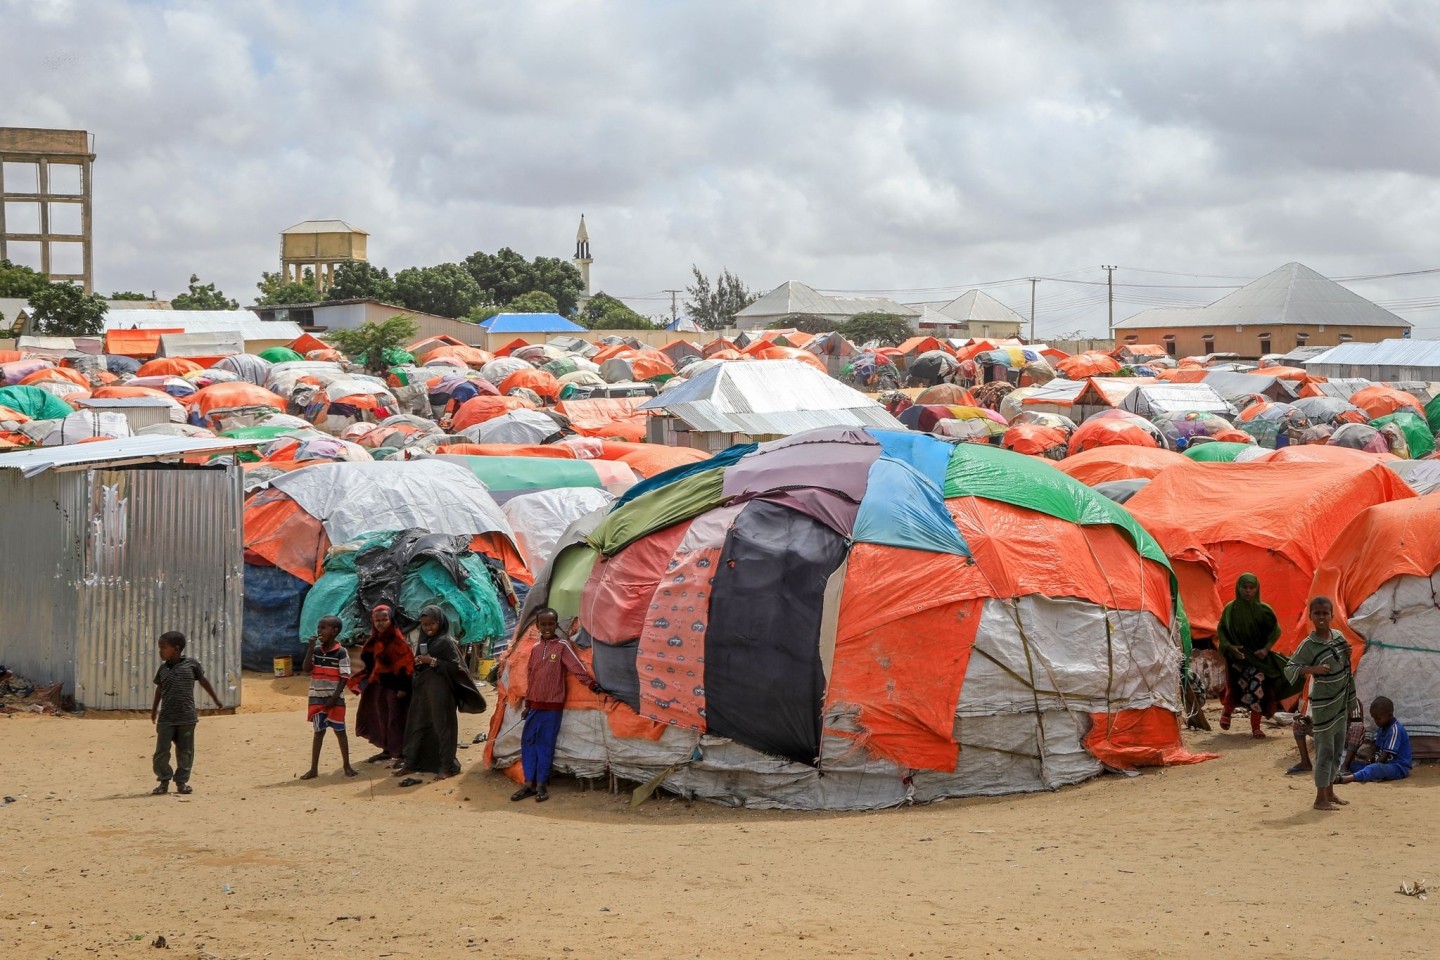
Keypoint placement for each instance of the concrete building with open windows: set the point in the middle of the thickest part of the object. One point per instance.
(1291, 306)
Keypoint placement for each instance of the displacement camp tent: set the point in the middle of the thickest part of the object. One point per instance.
(1383, 573)
(1103, 464)
(1273, 519)
(792, 624)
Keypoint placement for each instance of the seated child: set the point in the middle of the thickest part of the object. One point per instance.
(1392, 747)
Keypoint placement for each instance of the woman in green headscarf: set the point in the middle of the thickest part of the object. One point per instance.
(1255, 678)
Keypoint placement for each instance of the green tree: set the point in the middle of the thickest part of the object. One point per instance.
(358, 280)
(275, 290)
(128, 295)
(66, 310)
(889, 329)
(374, 342)
(482, 313)
(714, 307)
(20, 282)
(536, 301)
(505, 275)
(604, 312)
(804, 322)
(446, 290)
(203, 297)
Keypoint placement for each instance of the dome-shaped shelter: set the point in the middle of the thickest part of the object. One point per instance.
(847, 619)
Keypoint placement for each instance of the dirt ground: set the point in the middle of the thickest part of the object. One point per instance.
(1221, 859)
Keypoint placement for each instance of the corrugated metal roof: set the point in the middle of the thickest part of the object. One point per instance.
(765, 397)
(249, 326)
(125, 449)
(793, 297)
(1292, 294)
(979, 307)
(323, 226)
(219, 343)
(530, 323)
(1388, 353)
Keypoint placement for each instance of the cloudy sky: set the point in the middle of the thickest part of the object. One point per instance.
(907, 147)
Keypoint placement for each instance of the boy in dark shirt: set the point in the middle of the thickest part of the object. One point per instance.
(174, 714)
(328, 664)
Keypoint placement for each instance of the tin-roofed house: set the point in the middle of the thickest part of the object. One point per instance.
(745, 401)
(108, 546)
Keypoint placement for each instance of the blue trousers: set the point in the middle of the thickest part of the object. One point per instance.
(1375, 772)
(537, 744)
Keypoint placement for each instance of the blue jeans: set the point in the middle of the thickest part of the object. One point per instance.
(537, 744)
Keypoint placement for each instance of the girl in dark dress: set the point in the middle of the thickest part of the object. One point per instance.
(1255, 675)
(389, 666)
(442, 686)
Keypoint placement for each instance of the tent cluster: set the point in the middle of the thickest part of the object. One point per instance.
(855, 619)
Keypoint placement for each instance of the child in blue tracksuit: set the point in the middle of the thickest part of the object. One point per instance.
(1392, 747)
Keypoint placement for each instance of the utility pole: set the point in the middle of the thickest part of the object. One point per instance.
(1110, 297)
(1033, 281)
(674, 315)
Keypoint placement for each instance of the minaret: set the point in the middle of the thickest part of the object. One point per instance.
(583, 259)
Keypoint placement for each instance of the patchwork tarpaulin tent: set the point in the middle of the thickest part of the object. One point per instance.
(1383, 573)
(1273, 519)
(847, 619)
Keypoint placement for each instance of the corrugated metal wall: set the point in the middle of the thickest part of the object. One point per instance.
(41, 532)
(162, 551)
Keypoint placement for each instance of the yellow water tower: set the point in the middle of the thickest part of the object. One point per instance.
(321, 246)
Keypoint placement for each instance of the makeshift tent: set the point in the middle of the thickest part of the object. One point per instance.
(1159, 399)
(1329, 410)
(1103, 464)
(540, 518)
(1423, 476)
(1107, 431)
(34, 403)
(280, 355)
(1359, 436)
(791, 625)
(510, 476)
(1378, 400)
(481, 409)
(1419, 440)
(249, 368)
(219, 403)
(946, 394)
(1036, 441)
(517, 426)
(1083, 365)
(542, 383)
(640, 365)
(1189, 425)
(1273, 519)
(1268, 422)
(1216, 452)
(1383, 573)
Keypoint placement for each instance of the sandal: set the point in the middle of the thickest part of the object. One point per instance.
(184, 788)
(523, 792)
(162, 789)
(410, 781)
(1297, 769)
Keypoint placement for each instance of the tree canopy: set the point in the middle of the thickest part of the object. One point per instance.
(888, 329)
(506, 275)
(128, 295)
(20, 281)
(276, 290)
(604, 312)
(359, 280)
(374, 341)
(714, 306)
(446, 290)
(804, 322)
(536, 301)
(203, 297)
(66, 310)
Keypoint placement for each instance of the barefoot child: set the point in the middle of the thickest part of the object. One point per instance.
(174, 714)
(328, 664)
(1324, 657)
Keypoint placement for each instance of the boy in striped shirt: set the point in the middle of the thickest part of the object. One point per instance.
(329, 666)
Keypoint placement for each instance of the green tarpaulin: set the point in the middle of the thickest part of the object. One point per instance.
(1217, 451)
(1418, 434)
(504, 474)
(658, 509)
(280, 355)
(35, 403)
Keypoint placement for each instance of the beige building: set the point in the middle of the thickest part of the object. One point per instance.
(1291, 306)
(353, 314)
(972, 314)
(321, 246)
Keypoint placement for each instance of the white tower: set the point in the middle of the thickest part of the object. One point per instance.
(583, 259)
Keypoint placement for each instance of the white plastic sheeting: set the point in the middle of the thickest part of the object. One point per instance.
(353, 499)
(1040, 667)
(540, 518)
(84, 424)
(517, 426)
(1400, 624)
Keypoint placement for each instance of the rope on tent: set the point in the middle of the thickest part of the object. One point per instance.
(1030, 665)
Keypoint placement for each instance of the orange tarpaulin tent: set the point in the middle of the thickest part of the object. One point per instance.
(1103, 464)
(541, 381)
(483, 408)
(1379, 400)
(1216, 521)
(304, 343)
(168, 367)
(136, 344)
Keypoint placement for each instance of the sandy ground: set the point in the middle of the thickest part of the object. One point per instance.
(1222, 859)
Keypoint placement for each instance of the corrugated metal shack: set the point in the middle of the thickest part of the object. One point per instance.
(107, 546)
(737, 402)
(1388, 361)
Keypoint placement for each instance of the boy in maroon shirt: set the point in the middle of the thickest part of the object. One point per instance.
(544, 703)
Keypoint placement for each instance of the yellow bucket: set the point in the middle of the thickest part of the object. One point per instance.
(284, 667)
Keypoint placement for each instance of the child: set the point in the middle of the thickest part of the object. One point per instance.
(174, 714)
(1324, 657)
(552, 658)
(1392, 747)
(328, 664)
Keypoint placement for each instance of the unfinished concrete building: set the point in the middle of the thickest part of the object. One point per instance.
(45, 202)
